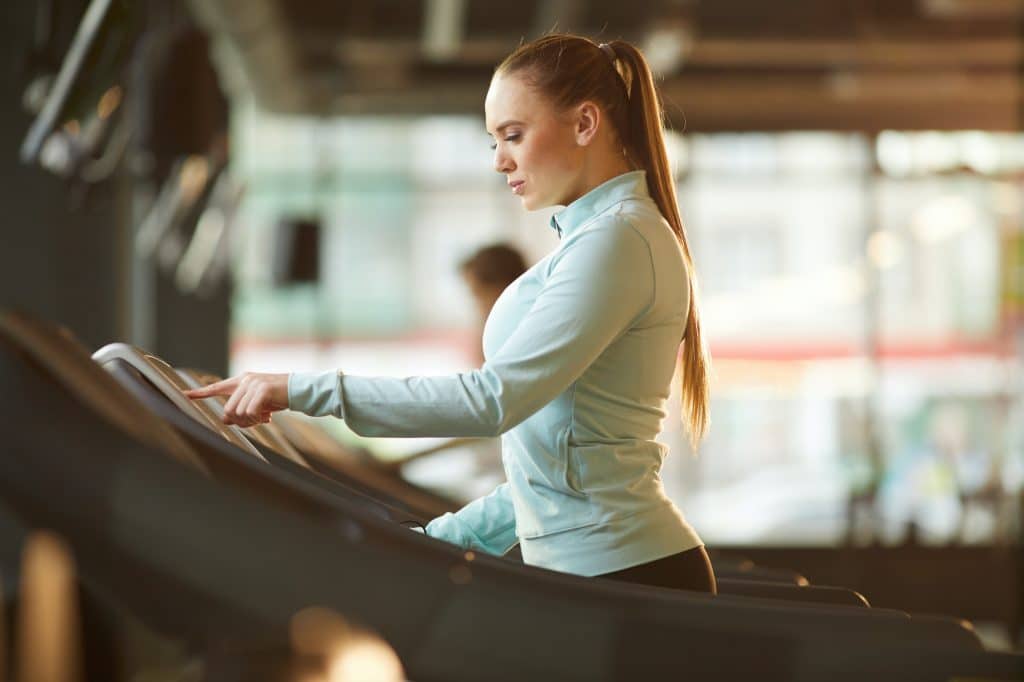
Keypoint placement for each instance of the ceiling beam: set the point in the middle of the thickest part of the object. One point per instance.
(263, 56)
(444, 26)
(720, 52)
(868, 52)
(556, 16)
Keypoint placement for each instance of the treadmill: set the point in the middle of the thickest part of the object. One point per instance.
(141, 371)
(220, 561)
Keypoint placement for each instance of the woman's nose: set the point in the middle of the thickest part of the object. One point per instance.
(502, 162)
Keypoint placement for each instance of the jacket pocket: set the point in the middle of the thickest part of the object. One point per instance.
(571, 474)
(553, 502)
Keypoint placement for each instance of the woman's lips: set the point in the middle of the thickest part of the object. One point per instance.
(517, 187)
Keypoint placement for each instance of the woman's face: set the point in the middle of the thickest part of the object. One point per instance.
(534, 145)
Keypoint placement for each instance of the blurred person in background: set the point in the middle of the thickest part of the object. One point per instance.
(487, 272)
(579, 352)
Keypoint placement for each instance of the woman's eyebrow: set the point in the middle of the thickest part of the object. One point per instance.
(504, 125)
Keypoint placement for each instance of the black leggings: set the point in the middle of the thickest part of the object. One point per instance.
(689, 570)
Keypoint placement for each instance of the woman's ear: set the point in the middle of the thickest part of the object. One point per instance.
(588, 120)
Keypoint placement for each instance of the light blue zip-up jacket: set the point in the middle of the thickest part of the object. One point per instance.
(579, 353)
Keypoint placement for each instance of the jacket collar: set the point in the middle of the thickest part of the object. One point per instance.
(626, 186)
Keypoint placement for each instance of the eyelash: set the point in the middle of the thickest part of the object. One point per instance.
(511, 138)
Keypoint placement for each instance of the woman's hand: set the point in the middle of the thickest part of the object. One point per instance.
(253, 397)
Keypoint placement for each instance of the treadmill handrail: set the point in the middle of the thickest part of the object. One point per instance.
(167, 381)
(66, 358)
(327, 451)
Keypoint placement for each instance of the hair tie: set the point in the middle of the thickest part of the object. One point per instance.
(609, 52)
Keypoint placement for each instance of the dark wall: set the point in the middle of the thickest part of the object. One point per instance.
(183, 111)
(64, 251)
(56, 257)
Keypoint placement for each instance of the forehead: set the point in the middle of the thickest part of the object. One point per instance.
(510, 99)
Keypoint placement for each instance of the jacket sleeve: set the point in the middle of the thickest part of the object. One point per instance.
(487, 524)
(599, 285)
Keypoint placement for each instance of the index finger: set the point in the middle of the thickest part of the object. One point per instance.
(225, 387)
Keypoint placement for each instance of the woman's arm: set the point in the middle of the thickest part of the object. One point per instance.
(599, 286)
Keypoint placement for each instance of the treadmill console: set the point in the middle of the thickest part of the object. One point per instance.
(166, 380)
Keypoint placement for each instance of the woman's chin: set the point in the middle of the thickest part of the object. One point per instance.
(532, 203)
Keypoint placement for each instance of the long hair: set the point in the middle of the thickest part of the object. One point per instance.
(570, 69)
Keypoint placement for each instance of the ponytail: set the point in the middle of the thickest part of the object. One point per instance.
(645, 142)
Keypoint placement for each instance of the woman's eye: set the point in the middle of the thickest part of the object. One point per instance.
(508, 138)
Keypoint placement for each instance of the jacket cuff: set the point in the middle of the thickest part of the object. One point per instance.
(448, 528)
(316, 394)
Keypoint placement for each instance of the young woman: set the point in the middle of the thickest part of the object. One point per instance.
(580, 351)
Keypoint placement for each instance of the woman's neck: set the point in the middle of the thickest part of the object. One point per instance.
(600, 170)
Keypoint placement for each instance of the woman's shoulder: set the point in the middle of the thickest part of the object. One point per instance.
(634, 220)
(614, 230)
(636, 228)
(643, 213)
(630, 230)
(607, 246)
